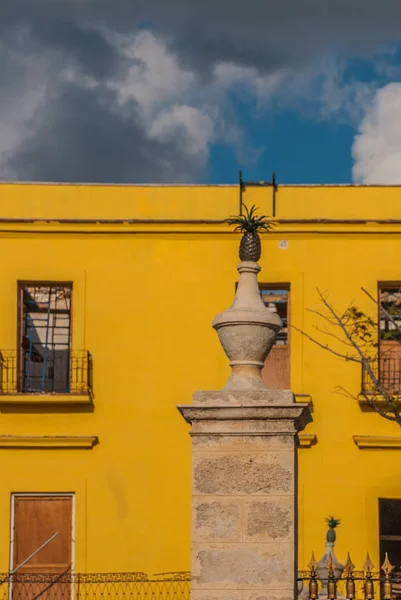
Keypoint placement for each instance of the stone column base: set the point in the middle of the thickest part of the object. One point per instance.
(244, 494)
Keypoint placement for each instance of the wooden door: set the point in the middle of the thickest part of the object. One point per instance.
(47, 574)
(276, 373)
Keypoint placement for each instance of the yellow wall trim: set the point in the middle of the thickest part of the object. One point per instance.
(44, 399)
(377, 441)
(39, 441)
(307, 398)
(306, 440)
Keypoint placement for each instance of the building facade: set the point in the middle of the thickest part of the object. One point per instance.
(108, 293)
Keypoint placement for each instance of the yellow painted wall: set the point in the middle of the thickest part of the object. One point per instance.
(144, 297)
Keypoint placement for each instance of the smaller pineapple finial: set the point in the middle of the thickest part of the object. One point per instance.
(349, 566)
(368, 565)
(331, 534)
(387, 567)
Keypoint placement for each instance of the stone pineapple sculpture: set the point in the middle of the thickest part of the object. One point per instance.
(250, 225)
(331, 534)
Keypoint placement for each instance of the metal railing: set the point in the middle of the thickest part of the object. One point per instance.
(387, 370)
(351, 584)
(69, 373)
(103, 586)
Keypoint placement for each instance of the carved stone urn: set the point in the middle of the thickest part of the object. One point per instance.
(247, 331)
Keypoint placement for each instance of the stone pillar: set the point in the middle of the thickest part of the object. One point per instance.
(244, 454)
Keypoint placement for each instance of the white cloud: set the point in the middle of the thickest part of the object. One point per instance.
(318, 91)
(155, 91)
(377, 147)
(196, 128)
(169, 107)
(154, 76)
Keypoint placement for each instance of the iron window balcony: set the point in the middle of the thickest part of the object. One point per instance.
(387, 370)
(57, 373)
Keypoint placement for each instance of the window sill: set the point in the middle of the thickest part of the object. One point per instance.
(304, 398)
(379, 400)
(45, 399)
(365, 442)
(307, 440)
(80, 442)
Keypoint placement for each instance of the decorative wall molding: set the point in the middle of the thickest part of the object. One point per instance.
(44, 399)
(306, 440)
(80, 442)
(303, 398)
(377, 441)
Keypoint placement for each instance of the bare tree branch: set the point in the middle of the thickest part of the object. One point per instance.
(366, 363)
(320, 314)
(340, 390)
(376, 408)
(333, 335)
(358, 331)
(326, 346)
(383, 311)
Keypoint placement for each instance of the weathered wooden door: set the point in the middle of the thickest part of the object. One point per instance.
(276, 373)
(47, 574)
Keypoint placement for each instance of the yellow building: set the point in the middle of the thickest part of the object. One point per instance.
(108, 293)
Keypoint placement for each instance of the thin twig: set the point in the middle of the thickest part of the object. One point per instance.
(319, 314)
(384, 312)
(364, 360)
(333, 335)
(326, 346)
(344, 392)
(375, 407)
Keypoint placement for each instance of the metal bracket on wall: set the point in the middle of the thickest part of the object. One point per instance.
(244, 184)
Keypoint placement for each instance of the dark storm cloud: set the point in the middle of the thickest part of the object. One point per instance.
(80, 134)
(87, 46)
(263, 33)
(84, 138)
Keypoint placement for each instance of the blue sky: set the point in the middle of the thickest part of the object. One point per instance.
(156, 92)
(299, 151)
(300, 144)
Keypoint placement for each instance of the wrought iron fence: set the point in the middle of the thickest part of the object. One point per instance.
(69, 373)
(387, 370)
(104, 586)
(351, 584)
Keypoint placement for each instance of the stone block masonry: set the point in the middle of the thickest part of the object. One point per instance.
(244, 494)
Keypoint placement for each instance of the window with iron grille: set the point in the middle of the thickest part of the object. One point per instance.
(45, 337)
(390, 301)
(390, 530)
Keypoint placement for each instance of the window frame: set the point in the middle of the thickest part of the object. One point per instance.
(21, 284)
(281, 286)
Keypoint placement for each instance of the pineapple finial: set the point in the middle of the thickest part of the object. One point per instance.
(331, 534)
(250, 225)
